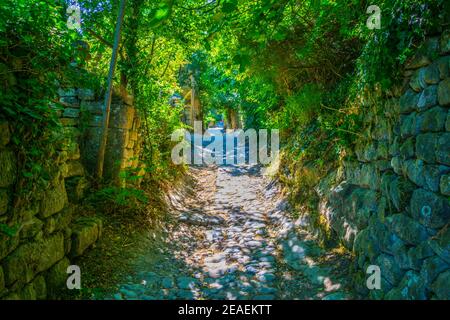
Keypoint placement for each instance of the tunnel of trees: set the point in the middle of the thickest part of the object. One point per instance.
(335, 77)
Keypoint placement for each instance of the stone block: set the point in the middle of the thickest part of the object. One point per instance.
(73, 152)
(416, 255)
(432, 176)
(76, 188)
(69, 122)
(40, 288)
(444, 185)
(428, 98)
(86, 94)
(429, 209)
(408, 125)
(431, 74)
(390, 270)
(397, 165)
(70, 101)
(431, 268)
(31, 228)
(387, 241)
(414, 170)
(417, 82)
(92, 107)
(121, 116)
(408, 101)
(407, 149)
(443, 64)
(400, 190)
(441, 286)
(443, 92)
(407, 229)
(426, 145)
(432, 120)
(54, 199)
(411, 287)
(394, 147)
(442, 149)
(370, 177)
(31, 258)
(74, 168)
(67, 92)
(71, 112)
(447, 122)
(96, 121)
(440, 244)
(56, 278)
(7, 244)
(85, 232)
(418, 60)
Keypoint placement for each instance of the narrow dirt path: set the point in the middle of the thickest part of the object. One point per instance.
(233, 239)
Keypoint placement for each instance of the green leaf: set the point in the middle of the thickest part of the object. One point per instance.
(229, 6)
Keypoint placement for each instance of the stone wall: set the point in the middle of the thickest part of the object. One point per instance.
(40, 238)
(392, 207)
(124, 142)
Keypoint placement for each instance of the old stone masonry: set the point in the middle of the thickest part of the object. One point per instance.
(234, 240)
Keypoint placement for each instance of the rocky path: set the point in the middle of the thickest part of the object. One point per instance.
(233, 239)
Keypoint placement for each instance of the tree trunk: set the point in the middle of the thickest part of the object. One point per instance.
(108, 95)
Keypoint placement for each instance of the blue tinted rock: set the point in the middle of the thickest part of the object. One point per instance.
(429, 209)
(428, 98)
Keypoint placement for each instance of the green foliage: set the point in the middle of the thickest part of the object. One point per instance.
(116, 197)
(298, 65)
(37, 50)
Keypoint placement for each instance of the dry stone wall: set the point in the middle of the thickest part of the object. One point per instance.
(39, 239)
(392, 205)
(124, 137)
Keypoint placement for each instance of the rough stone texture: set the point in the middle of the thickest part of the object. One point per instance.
(441, 286)
(445, 185)
(408, 101)
(122, 145)
(444, 92)
(407, 235)
(432, 120)
(440, 244)
(74, 168)
(442, 148)
(411, 287)
(426, 146)
(407, 229)
(428, 98)
(429, 209)
(85, 232)
(56, 278)
(44, 234)
(31, 258)
(54, 200)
